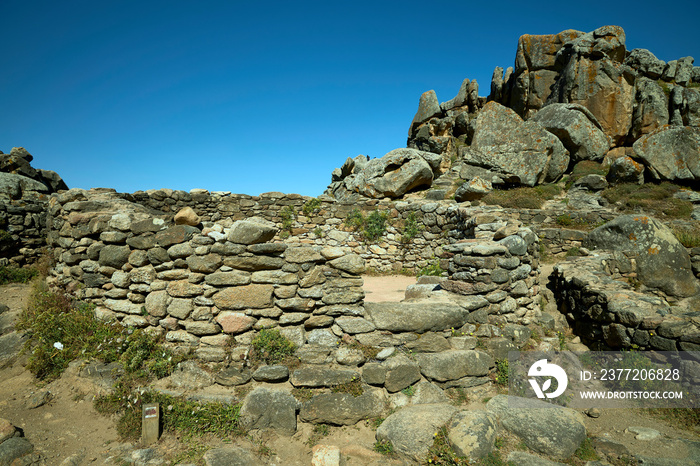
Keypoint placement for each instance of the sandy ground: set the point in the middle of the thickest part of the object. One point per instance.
(386, 288)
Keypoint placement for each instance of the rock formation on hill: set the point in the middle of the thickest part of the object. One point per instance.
(17, 175)
(570, 97)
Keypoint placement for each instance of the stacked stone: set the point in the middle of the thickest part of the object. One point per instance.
(22, 230)
(501, 264)
(608, 314)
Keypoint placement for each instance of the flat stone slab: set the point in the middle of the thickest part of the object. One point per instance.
(416, 317)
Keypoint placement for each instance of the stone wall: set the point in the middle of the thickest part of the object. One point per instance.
(22, 229)
(598, 295)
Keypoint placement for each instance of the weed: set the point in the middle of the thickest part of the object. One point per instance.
(523, 197)
(369, 352)
(586, 452)
(302, 394)
(458, 395)
(319, 431)
(410, 228)
(433, 268)
(318, 232)
(502, 372)
(16, 275)
(60, 330)
(385, 447)
(409, 391)
(354, 387)
(271, 346)
(375, 422)
(288, 215)
(573, 252)
(371, 227)
(311, 206)
(562, 341)
(376, 225)
(177, 414)
(441, 453)
(655, 199)
(689, 236)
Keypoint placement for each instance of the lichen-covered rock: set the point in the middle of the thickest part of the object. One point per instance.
(520, 152)
(264, 408)
(662, 261)
(576, 128)
(651, 107)
(392, 175)
(646, 62)
(428, 107)
(411, 430)
(671, 153)
(251, 232)
(553, 431)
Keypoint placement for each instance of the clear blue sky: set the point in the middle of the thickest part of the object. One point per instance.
(260, 96)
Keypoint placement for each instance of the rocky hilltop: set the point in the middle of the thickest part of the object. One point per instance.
(569, 97)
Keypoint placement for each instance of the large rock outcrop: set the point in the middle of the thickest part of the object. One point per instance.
(576, 128)
(662, 261)
(392, 175)
(17, 162)
(592, 74)
(671, 153)
(520, 152)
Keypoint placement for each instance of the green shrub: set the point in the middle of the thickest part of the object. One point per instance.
(311, 206)
(502, 372)
(178, 416)
(654, 199)
(689, 236)
(432, 269)
(288, 215)
(371, 227)
(375, 226)
(271, 346)
(60, 330)
(573, 252)
(385, 447)
(16, 275)
(410, 228)
(523, 198)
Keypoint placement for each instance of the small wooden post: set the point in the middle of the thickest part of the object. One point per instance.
(150, 423)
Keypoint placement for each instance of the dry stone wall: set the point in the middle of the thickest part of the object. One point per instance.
(608, 313)
(22, 229)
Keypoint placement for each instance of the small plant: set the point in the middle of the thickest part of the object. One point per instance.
(689, 236)
(60, 330)
(376, 225)
(410, 228)
(586, 451)
(16, 275)
(271, 346)
(573, 252)
(409, 391)
(565, 220)
(432, 269)
(319, 431)
(458, 395)
(372, 227)
(655, 199)
(311, 206)
(318, 232)
(502, 372)
(385, 447)
(522, 198)
(288, 216)
(441, 452)
(562, 341)
(302, 394)
(369, 352)
(354, 387)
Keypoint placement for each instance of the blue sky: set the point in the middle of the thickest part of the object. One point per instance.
(251, 97)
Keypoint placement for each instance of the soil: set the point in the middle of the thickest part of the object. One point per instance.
(67, 426)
